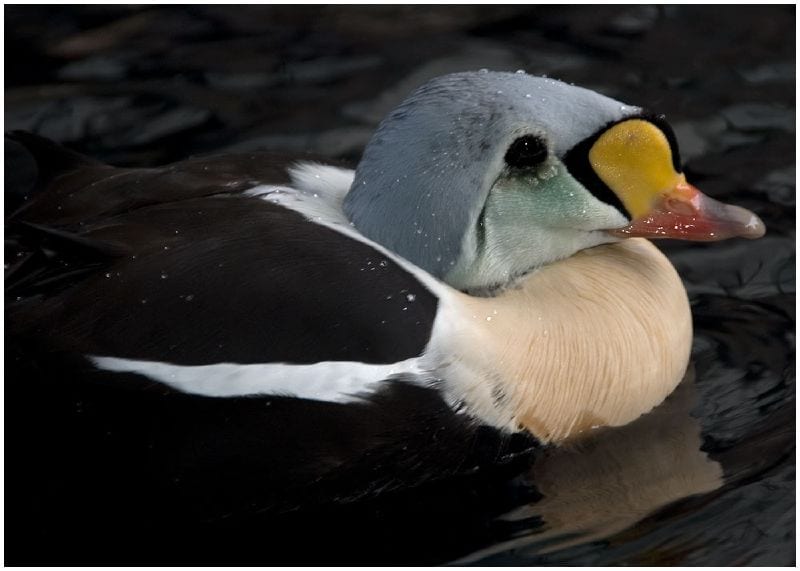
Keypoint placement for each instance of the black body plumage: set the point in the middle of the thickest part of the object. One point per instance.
(176, 264)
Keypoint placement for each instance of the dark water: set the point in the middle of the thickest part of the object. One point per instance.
(706, 479)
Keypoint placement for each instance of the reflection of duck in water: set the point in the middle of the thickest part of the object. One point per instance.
(614, 478)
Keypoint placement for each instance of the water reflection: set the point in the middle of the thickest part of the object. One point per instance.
(615, 478)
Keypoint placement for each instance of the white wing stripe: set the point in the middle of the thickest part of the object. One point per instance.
(332, 381)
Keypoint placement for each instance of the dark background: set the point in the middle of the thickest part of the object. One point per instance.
(142, 86)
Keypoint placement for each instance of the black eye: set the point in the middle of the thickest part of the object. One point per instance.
(527, 151)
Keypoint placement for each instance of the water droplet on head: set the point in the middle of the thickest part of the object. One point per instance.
(547, 172)
(411, 297)
(528, 96)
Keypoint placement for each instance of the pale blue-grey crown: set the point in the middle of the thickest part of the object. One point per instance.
(426, 173)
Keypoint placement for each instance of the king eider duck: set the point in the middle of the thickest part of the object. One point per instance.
(252, 323)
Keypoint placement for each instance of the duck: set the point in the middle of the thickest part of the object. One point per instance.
(481, 285)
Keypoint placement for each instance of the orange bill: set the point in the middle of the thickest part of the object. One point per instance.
(635, 160)
(686, 213)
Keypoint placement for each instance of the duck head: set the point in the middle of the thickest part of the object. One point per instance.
(481, 177)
